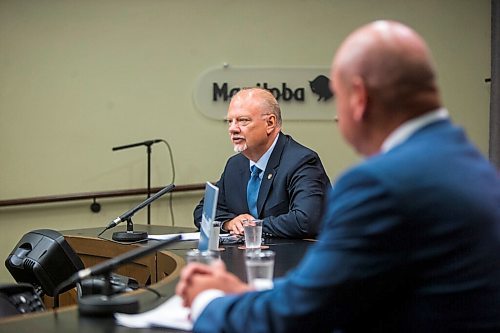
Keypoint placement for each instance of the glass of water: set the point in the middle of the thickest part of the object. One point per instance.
(253, 233)
(204, 257)
(260, 269)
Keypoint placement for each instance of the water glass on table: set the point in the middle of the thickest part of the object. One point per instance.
(204, 257)
(260, 269)
(253, 233)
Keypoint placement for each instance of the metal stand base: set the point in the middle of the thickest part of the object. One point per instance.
(100, 305)
(129, 236)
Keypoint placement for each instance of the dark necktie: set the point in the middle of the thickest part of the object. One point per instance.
(253, 190)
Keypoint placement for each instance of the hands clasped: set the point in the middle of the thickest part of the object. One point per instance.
(196, 278)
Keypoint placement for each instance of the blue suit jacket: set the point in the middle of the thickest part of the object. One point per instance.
(291, 195)
(410, 243)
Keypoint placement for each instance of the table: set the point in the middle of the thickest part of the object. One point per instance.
(161, 269)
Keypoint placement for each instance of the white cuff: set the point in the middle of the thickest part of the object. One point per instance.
(202, 300)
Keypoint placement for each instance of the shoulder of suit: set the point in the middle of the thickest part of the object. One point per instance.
(297, 148)
(237, 159)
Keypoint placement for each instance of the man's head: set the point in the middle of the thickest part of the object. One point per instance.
(254, 120)
(382, 76)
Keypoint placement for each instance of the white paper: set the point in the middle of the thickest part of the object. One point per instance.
(170, 314)
(185, 236)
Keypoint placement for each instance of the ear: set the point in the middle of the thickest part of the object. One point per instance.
(358, 99)
(271, 123)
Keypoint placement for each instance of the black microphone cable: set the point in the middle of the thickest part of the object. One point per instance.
(170, 196)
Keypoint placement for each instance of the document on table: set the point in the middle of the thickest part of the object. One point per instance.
(185, 236)
(170, 314)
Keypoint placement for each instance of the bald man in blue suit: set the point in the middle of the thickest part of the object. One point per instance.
(410, 240)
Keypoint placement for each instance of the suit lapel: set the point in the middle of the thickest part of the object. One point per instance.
(270, 172)
(241, 181)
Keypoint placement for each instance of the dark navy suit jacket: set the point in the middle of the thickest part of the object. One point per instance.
(291, 195)
(410, 242)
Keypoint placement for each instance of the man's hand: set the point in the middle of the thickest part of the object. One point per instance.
(235, 226)
(196, 278)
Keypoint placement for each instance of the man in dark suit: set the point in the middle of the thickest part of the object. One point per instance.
(293, 182)
(410, 241)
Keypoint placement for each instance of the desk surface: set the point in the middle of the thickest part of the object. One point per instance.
(288, 255)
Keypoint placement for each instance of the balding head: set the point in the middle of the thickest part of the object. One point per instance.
(394, 63)
(386, 75)
(265, 99)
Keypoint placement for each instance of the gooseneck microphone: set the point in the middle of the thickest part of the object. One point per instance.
(148, 144)
(130, 213)
(143, 143)
(110, 264)
(106, 304)
(130, 235)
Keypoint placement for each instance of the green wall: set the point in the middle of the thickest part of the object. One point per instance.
(79, 77)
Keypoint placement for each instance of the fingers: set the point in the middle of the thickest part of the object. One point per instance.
(196, 278)
(235, 226)
(186, 280)
(199, 283)
(238, 227)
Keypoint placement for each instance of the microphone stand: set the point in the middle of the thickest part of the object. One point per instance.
(130, 235)
(148, 151)
(148, 144)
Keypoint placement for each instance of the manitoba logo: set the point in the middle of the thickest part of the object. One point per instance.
(321, 87)
(304, 92)
(282, 92)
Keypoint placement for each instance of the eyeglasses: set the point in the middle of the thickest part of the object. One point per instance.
(241, 121)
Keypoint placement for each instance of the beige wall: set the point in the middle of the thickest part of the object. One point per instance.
(79, 77)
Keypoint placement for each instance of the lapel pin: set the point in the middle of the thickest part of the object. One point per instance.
(269, 176)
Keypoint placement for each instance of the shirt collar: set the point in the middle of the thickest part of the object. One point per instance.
(262, 162)
(405, 130)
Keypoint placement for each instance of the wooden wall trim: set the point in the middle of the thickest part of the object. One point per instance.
(96, 195)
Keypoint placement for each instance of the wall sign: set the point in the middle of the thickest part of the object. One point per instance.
(303, 93)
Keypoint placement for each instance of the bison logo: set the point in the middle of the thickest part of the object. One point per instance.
(321, 87)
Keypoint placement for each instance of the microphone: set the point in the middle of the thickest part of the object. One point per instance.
(104, 305)
(147, 143)
(130, 213)
(110, 264)
(130, 235)
(144, 143)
